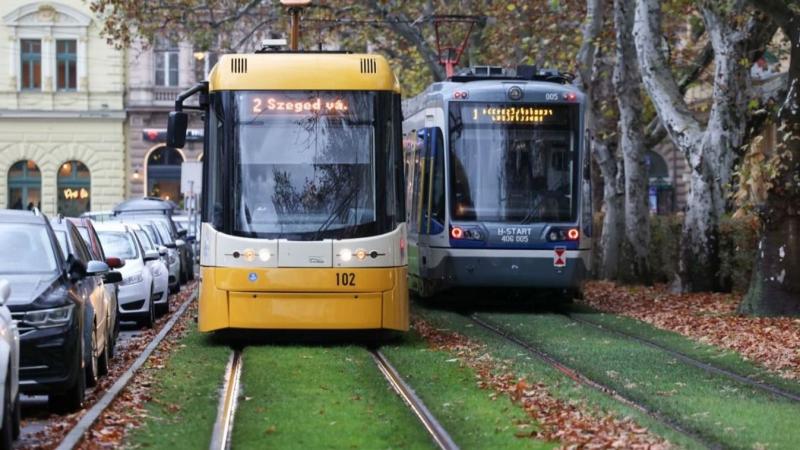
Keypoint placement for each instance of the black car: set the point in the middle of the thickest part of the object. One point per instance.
(49, 302)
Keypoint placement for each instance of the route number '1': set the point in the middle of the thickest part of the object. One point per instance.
(345, 279)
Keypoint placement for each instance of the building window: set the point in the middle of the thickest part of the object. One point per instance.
(66, 64)
(166, 54)
(74, 189)
(24, 185)
(164, 174)
(31, 59)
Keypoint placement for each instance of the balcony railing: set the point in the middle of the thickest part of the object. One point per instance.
(156, 96)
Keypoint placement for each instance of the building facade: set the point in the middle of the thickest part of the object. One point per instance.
(158, 72)
(62, 118)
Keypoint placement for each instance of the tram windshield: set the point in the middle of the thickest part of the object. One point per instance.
(513, 163)
(305, 164)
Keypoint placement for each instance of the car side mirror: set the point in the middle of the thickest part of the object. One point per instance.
(180, 242)
(76, 270)
(5, 291)
(112, 277)
(176, 129)
(151, 255)
(172, 245)
(114, 262)
(96, 268)
(162, 250)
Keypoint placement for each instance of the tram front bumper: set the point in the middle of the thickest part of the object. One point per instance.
(525, 269)
(299, 298)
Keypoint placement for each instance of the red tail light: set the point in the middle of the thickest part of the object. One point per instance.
(456, 233)
(573, 234)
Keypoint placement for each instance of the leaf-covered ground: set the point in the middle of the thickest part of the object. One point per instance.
(571, 423)
(710, 318)
(57, 426)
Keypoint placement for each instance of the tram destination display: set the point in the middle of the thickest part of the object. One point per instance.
(514, 114)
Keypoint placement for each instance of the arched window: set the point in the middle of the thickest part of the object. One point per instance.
(656, 166)
(164, 174)
(74, 189)
(24, 185)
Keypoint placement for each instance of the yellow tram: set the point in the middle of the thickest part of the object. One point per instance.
(303, 221)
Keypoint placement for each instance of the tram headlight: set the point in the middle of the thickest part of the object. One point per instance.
(345, 254)
(563, 234)
(264, 254)
(361, 254)
(249, 255)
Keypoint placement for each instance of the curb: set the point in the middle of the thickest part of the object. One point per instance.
(75, 436)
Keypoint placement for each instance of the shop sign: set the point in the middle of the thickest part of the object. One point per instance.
(76, 194)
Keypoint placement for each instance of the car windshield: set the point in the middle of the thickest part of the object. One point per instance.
(144, 239)
(119, 244)
(305, 164)
(26, 249)
(513, 163)
(163, 232)
(152, 234)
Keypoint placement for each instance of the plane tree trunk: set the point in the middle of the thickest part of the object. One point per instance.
(775, 285)
(710, 151)
(627, 86)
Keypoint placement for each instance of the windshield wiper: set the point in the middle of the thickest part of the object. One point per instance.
(336, 211)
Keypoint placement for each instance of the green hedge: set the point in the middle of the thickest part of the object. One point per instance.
(738, 241)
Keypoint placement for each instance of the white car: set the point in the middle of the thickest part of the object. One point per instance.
(9, 371)
(160, 237)
(157, 268)
(136, 291)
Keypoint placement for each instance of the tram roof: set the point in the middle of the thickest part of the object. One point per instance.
(303, 71)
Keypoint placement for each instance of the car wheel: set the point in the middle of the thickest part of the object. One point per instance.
(7, 430)
(102, 360)
(149, 319)
(72, 399)
(90, 361)
(16, 418)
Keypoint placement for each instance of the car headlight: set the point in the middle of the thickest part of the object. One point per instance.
(171, 258)
(155, 269)
(48, 318)
(133, 279)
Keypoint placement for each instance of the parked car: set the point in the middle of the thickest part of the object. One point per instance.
(192, 229)
(9, 371)
(156, 209)
(49, 302)
(137, 289)
(157, 268)
(99, 216)
(160, 235)
(97, 314)
(89, 235)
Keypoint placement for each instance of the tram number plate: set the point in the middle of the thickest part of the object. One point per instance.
(345, 279)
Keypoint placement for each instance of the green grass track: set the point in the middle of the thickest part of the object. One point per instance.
(184, 397)
(722, 410)
(320, 397)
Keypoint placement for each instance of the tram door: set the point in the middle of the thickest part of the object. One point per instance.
(430, 206)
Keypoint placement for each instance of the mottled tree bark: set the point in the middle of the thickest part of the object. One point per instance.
(592, 70)
(709, 151)
(627, 86)
(775, 285)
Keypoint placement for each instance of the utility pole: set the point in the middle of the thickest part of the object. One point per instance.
(295, 9)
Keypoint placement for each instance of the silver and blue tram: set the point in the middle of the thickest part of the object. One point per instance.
(498, 183)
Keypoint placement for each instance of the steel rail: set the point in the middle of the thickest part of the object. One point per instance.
(223, 425)
(691, 360)
(588, 382)
(434, 428)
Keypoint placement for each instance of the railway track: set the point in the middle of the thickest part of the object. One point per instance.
(221, 434)
(434, 428)
(771, 389)
(226, 411)
(584, 380)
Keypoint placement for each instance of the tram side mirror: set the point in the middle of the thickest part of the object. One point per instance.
(176, 129)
